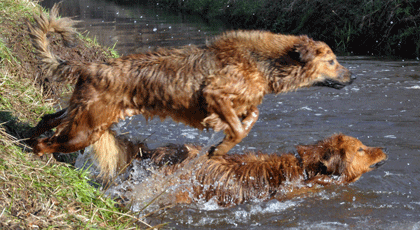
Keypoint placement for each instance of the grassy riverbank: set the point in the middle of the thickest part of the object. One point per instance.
(42, 192)
(363, 27)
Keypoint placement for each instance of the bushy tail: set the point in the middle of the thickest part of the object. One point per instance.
(38, 32)
(114, 155)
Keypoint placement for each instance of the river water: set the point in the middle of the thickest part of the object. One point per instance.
(381, 108)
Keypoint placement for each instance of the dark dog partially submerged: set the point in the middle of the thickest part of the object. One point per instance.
(236, 178)
(217, 87)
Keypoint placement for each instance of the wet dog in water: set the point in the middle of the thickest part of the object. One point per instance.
(236, 178)
(218, 86)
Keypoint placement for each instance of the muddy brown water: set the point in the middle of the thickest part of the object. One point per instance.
(381, 108)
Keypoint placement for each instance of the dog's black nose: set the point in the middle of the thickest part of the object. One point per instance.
(352, 77)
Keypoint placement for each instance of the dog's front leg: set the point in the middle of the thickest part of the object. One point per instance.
(236, 129)
(252, 117)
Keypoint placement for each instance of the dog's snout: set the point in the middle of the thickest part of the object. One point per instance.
(352, 77)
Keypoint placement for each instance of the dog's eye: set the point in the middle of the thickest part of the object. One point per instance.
(360, 149)
(332, 62)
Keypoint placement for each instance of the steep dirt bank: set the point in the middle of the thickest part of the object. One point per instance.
(40, 193)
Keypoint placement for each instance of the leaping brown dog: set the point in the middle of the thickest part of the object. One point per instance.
(235, 178)
(218, 86)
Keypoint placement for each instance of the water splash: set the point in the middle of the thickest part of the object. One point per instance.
(144, 186)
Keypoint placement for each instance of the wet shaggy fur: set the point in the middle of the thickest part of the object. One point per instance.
(236, 178)
(218, 86)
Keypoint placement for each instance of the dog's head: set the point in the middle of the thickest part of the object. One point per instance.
(318, 58)
(343, 156)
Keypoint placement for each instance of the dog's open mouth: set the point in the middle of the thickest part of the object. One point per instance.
(379, 164)
(333, 83)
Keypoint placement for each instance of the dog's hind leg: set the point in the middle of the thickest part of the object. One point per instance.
(62, 144)
(81, 126)
(48, 122)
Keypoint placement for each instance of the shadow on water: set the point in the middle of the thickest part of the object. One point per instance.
(381, 108)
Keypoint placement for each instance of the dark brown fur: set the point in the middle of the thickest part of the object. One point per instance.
(217, 87)
(235, 178)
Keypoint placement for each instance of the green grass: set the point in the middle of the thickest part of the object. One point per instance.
(47, 193)
(111, 52)
(17, 8)
(6, 54)
(22, 98)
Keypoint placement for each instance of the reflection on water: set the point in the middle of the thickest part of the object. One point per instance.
(137, 27)
(381, 108)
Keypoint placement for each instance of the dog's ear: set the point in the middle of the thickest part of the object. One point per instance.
(333, 165)
(333, 160)
(295, 55)
(304, 51)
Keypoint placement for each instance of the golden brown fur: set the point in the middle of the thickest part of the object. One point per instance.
(218, 87)
(235, 178)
